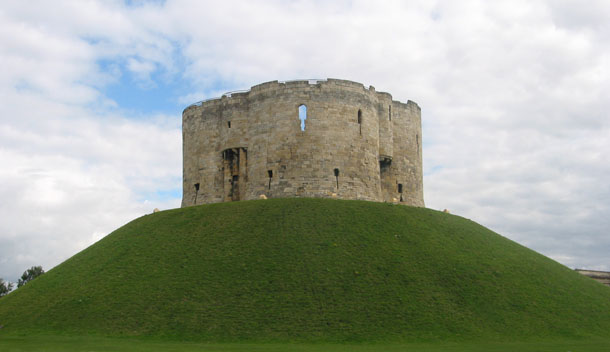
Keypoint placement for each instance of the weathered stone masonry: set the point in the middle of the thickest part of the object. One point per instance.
(357, 144)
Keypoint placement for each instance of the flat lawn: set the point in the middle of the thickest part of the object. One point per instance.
(91, 344)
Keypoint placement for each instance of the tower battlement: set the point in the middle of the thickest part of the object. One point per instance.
(303, 138)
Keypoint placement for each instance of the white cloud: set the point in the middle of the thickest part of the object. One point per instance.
(513, 98)
(142, 70)
(73, 170)
(64, 191)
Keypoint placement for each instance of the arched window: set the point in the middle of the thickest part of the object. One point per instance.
(302, 115)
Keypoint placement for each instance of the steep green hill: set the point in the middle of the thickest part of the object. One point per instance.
(309, 269)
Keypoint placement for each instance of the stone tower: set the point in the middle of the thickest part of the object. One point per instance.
(316, 138)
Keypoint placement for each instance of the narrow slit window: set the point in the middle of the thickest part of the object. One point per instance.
(417, 142)
(360, 120)
(390, 112)
(400, 191)
(270, 174)
(302, 115)
(229, 124)
(196, 191)
(336, 171)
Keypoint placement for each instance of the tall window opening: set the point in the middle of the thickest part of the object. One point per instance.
(337, 177)
(360, 120)
(229, 124)
(390, 112)
(302, 115)
(270, 174)
(417, 142)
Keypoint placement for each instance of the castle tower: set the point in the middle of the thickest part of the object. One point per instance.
(316, 138)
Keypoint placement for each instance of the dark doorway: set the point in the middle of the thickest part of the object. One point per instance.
(234, 164)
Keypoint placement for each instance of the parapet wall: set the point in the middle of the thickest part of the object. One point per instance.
(599, 276)
(357, 144)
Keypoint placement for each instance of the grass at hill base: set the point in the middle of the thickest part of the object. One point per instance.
(92, 344)
(309, 270)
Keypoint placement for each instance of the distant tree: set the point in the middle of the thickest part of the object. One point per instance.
(30, 275)
(5, 287)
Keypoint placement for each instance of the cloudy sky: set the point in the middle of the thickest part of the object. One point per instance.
(514, 96)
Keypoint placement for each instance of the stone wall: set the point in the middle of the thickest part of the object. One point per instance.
(600, 276)
(357, 144)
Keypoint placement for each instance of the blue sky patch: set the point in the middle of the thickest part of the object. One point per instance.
(163, 195)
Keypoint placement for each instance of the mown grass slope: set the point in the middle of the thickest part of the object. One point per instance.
(309, 270)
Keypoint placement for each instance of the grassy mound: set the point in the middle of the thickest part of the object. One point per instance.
(309, 269)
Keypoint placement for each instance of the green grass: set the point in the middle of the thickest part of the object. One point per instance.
(309, 270)
(93, 344)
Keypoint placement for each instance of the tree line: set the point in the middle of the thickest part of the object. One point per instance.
(28, 275)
